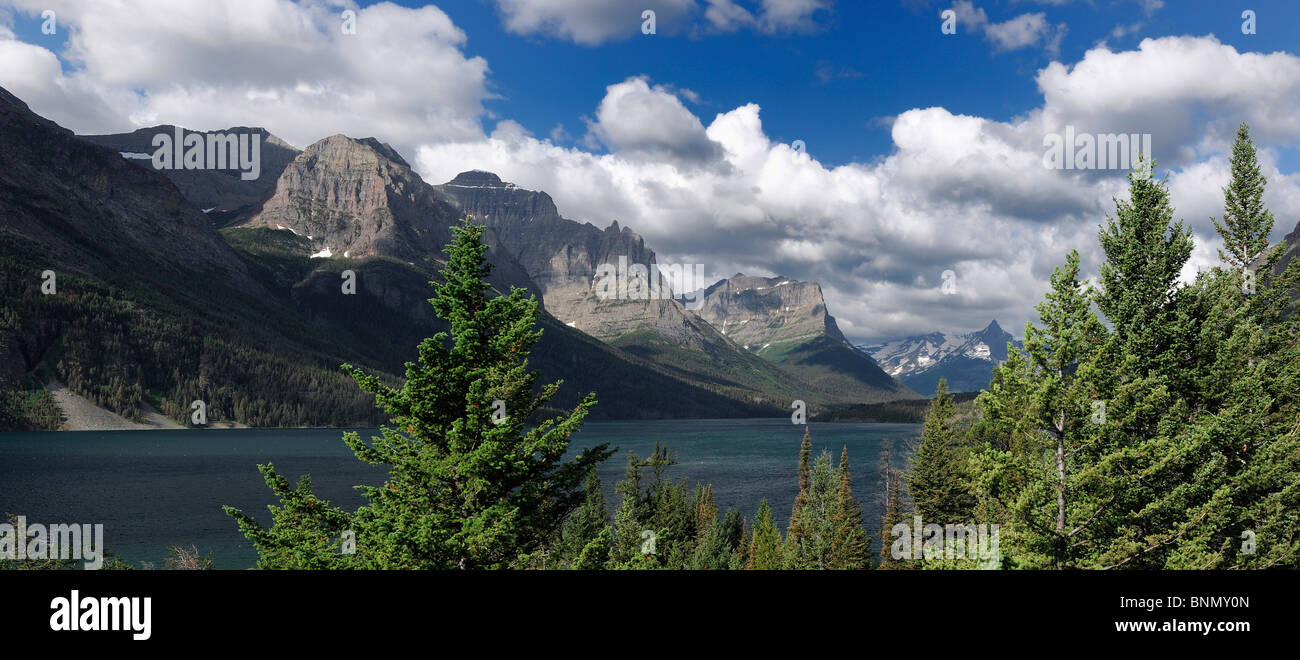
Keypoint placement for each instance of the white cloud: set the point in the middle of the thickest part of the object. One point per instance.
(726, 15)
(1169, 85)
(647, 123)
(593, 22)
(1019, 32)
(791, 15)
(285, 65)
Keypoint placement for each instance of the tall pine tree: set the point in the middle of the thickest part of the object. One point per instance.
(850, 545)
(766, 550)
(937, 479)
(465, 488)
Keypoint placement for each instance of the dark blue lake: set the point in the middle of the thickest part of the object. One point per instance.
(152, 489)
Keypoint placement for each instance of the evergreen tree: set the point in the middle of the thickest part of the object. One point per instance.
(811, 550)
(464, 490)
(740, 558)
(765, 547)
(937, 477)
(717, 549)
(1246, 224)
(1047, 402)
(674, 524)
(706, 511)
(894, 514)
(795, 530)
(631, 517)
(850, 545)
(1191, 457)
(1145, 249)
(584, 530)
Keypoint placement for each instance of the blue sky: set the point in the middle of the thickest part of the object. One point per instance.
(882, 57)
(924, 151)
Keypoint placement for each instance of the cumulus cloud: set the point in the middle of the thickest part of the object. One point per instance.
(1179, 89)
(1020, 32)
(285, 65)
(651, 124)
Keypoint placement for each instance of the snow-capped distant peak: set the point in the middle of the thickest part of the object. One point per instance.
(911, 355)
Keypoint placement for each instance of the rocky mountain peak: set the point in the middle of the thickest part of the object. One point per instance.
(341, 150)
(757, 311)
(478, 179)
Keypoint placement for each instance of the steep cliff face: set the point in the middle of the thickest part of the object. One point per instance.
(785, 321)
(758, 311)
(563, 256)
(356, 204)
(357, 198)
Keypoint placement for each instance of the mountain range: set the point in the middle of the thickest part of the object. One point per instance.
(965, 360)
(177, 285)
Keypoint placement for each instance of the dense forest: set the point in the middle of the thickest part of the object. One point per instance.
(166, 342)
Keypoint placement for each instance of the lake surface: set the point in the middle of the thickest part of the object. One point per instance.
(152, 489)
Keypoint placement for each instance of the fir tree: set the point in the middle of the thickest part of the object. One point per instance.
(717, 548)
(706, 511)
(850, 545)
(464, 490)
(795, 530)
(765, 547)
(631, 517)
(1145, 250)
(812, 548)
(894, 514)
(1046, 402)
(1246, 224)
(740, 558)
(937, 476)
(584, 530)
